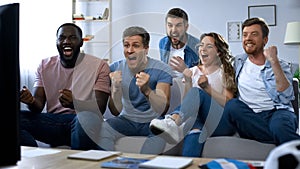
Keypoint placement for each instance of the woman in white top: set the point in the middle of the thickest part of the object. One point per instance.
(208, 86)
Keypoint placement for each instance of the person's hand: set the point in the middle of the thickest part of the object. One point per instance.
(203, 81)
(116, 80)
(26, 96)
(177, 63)
(187, 73)
(142, 80)
(66, 98)
(271, 54)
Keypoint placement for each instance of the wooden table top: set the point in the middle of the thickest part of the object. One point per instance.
(59, 160)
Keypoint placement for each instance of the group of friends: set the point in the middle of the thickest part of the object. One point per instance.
(249, 94)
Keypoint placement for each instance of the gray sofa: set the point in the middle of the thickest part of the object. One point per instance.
(239, 148)
(215, 147)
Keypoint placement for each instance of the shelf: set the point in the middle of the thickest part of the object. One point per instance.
(94, 18)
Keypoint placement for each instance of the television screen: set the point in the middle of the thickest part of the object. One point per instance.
(10, 84)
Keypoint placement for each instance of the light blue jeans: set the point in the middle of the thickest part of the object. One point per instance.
(90, 132)
(199, 111)
(118, 127)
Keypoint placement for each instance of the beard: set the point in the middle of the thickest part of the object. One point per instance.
(253, 51)
(70, 60)
(178, 43)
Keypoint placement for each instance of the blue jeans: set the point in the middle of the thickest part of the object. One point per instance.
(85, 131)
(118, 127)
(89, 131)
(275, 126)
(199, 111)
(191, 145)
(53, 129)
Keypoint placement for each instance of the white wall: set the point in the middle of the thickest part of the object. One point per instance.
(39, 20)
(204, 16)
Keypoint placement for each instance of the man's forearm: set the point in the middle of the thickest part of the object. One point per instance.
(117, 99)
(158, 101)
(34, 106)
(282, 82)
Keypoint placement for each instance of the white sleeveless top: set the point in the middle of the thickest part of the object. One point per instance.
(214, 79)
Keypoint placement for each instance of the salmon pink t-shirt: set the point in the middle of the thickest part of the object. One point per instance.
(90, 74)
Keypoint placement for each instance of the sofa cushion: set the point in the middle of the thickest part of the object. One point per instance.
(134, 144)
(236, 148)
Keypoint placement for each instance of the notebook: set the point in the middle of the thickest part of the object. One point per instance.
(93, 155)
(166, 162)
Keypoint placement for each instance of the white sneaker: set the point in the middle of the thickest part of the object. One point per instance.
(166, 128)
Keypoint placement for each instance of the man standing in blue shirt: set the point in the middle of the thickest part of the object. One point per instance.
(178, 48)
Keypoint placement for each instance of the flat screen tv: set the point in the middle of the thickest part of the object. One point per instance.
(9, 84)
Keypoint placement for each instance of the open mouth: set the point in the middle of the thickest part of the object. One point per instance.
(68, 51)
(249, 45)
(131, 58)
(204, 56)
(175, 37)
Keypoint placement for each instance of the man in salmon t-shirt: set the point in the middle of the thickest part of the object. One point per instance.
(65, 84)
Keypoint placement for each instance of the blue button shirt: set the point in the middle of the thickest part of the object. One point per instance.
(191, 57)
(282, 100)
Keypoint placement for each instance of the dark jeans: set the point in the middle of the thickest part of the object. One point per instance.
(85, 131)
(53, 129)
(276, 126)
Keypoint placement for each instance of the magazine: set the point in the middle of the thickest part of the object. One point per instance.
(123, 162)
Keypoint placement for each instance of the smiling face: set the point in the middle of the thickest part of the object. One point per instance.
(253, 40)
(135, 53)
(176, 31)
(68, 44)
(208, 52)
